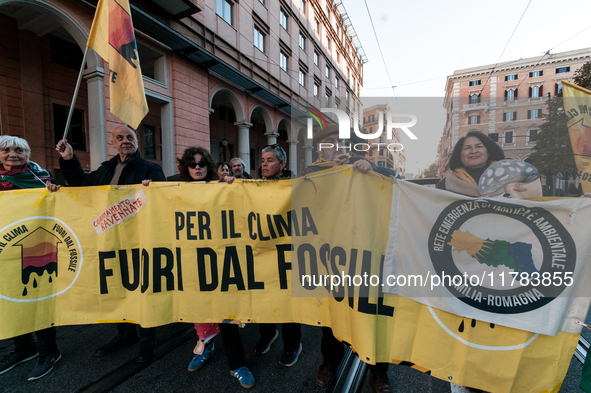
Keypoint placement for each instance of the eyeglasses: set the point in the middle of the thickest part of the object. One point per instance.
(194, 165)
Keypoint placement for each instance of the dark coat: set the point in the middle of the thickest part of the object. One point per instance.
(136, 170)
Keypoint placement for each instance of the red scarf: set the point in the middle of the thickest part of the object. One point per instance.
(6, 185)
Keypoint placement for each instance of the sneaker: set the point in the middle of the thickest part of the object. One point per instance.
(44, 366)
(264, 344)
(199, 360)
(114, 345)
(147, 349)
(289, 358)
(15, 358)
(244, 376)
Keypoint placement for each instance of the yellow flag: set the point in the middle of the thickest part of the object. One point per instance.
(113, 38)
(577, 106)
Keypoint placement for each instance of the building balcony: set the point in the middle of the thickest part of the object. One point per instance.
(475, 107)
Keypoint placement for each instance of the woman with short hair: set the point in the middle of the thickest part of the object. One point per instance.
(17, 172)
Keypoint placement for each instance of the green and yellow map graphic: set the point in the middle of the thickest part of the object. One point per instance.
(495, 253)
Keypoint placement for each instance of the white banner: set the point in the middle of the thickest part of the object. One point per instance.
(518, 263)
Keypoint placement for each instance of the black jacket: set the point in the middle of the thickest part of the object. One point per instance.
(136, 170)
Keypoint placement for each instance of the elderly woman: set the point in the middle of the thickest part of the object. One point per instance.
(223, 170)
(17, 172)
(273, 163)
(273, 167)
(469, 159)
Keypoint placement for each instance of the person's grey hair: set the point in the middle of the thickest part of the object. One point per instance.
(7, 141)
(278, 150)
(233, 160)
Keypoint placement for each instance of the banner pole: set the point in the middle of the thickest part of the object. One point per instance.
(75, 95)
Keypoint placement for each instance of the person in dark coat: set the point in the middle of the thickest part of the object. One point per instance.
(127, 167)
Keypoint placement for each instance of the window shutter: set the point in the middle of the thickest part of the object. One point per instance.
(530, 91)
(516, 76)
(505, 93)
(529, 114)
(541, 73)
(515, 115)
(530, 74)
(506, 78)
(516, 95)
(555, 88)
(478, 119)
(541, 91)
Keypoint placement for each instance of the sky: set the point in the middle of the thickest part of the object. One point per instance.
(424, 41)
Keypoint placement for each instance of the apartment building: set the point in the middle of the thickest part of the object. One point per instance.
(230, 76)
(505, 102)
(383, 152)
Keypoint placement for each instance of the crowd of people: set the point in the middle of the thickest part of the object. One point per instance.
(469, 160)
(195, 165)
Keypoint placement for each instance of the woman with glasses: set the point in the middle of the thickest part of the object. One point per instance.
(197, 164)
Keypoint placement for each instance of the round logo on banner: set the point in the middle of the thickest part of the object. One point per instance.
(40, 257)
(500, 257)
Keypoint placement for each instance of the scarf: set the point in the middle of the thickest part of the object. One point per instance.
(465, 181)
(462, 174)
(24, 177)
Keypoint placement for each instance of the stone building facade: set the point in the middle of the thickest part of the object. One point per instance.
(230, 76)
(505, 102)
(383, 151)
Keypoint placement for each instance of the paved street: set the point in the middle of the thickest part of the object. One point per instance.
(80, 371)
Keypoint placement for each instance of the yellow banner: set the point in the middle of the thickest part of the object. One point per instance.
(577, 107)
(214, 252)
(113, 38)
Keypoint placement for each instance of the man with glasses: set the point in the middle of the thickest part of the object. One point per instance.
(127, 167)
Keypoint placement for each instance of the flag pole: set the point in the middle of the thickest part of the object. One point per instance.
(75, 94)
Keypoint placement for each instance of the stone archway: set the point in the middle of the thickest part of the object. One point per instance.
(229, 131)
(42, 18)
